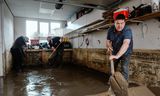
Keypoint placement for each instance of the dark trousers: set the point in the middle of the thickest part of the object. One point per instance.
(124, 65)
(56, 60)
(17, 59)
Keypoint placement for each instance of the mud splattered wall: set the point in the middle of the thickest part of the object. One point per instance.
(144, 66)
(92, 58)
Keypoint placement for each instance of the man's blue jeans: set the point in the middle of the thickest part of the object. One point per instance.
(124, 63)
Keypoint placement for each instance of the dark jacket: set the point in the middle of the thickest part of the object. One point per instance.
(54, 42)
(17, 48)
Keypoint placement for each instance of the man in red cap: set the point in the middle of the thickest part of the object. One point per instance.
(120, 43)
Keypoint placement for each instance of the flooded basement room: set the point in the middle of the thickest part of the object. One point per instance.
(79, 48)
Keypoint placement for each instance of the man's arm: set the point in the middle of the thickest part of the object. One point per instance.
(122, 50)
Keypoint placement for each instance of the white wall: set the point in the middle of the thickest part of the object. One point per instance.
(6, 40)
(19, 27)
(1, 63)
(145, 36)
(8, 36)
(96, 40)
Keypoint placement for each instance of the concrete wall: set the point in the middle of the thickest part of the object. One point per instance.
(144, 66)
(96, 40)
(6, 40)
(19, 27)
(145, 36)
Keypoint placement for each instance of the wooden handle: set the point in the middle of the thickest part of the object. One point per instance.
(112, 67)
(55, 50)
(112, 64)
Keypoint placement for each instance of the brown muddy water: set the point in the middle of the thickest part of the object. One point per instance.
(68, 80)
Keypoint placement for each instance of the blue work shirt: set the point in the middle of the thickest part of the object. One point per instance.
(117, 39)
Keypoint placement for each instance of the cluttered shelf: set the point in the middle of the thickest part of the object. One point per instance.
(148, 16)
(106, 23)
(133, 20)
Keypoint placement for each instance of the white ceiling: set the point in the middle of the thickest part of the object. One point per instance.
(45, 9)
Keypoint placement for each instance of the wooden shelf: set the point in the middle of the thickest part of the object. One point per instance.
(147, 16)
(81, 28)
(98, 28)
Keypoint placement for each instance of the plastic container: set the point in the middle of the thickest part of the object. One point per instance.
(34, 42)
(124, 11)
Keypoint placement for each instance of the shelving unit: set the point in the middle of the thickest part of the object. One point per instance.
(103, 24)
(81, 28)
(133, 20)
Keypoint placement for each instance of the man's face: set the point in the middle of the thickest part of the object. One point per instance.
(119, 24)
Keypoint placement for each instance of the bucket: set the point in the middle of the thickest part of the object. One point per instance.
(34, 42)
(123, 11)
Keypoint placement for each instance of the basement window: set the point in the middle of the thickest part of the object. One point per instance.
(40, 29)
(55, 27)
(31, 28)
(44, 29)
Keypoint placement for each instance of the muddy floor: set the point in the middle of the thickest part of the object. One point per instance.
(67, 80)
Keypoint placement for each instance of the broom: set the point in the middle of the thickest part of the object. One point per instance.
(51, 55)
